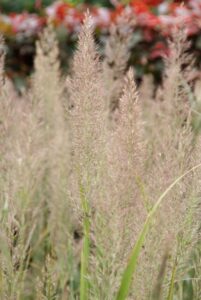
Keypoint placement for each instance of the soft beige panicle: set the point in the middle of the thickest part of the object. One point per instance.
(88, 115)
(48, 106)
(116, 58)
(175, 87)
(127, 170)
(122, 213)
(87, 119)
(127, 156)
(130, 127)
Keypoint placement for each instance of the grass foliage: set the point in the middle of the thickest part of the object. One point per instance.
(100, 178)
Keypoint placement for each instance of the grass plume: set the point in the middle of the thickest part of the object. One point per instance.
(85, 206)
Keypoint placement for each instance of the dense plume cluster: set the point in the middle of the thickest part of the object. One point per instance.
(76, 188)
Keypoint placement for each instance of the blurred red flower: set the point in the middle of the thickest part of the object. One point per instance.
(147, 2)
(62, 10)
(139, 7)
(159, 50)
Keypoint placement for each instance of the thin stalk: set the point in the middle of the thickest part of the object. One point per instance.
(84, 285)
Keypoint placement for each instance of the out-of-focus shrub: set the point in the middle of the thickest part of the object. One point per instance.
(20, 5)
(33, 5)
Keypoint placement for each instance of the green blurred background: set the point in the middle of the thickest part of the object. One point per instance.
(18, 6)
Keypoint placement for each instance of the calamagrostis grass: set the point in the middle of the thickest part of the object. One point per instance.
(53, 148)
(87, 118)
(74, 192)
(116, 56)
(119, 219)
(87, 122)
(172, 151)
(36, 160)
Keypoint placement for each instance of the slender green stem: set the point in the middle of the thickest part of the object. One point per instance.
(171, 288)
(85, 247)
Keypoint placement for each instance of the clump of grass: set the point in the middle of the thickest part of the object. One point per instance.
(78, 197)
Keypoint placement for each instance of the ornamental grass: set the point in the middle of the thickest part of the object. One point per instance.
(100, 176)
